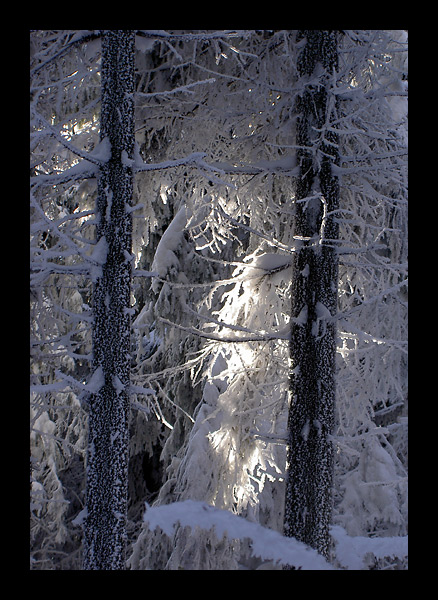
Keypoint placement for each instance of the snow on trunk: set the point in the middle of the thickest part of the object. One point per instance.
(107, 469)
(308, 502)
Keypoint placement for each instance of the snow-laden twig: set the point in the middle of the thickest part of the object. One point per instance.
(180, 89)
(143, 273)
(190, 37)
(195, 159)
(272, 241)
(78, 38)
(191, 159)
(356, 333)
(172, 403)
(256, 337)
(67, 381)
(99, 156)
(82, 170)
(280, 335)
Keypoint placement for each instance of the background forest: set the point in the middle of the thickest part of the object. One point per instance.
(215, 174)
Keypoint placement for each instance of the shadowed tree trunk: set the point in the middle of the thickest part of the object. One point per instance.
(309, 470)
(107, 467)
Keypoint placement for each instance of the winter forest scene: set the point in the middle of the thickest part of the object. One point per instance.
(218, 300)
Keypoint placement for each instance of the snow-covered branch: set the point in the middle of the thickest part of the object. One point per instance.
(255, 337)
(195, 159)
(265, 543)
(79, 37)
(190, 37)
(99, 156)
(82, 170)
(271, 240)
(67, 382)
(180, 89)
(351, 551)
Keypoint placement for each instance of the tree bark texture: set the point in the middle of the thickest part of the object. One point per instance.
(309, 470)
(107, 463)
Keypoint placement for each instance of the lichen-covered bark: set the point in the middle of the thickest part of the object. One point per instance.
(107, 465)
(308, 502)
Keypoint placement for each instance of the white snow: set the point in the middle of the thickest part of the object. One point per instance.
(102, 151)
(305, 272)
(351, 550)
(193, 158)
(165, 256)
(142, 391)
(97, 381)
(100, 251)
(305, 430)
(98, 258)
(266, 543)
(144, 44)
(270, 545)
(285, 163)
(322, 315)
(271, 261)
(318, 426)
(80, 517)
(302, 317)
(322, 312)
(81, 170)
(126, 161)
(118, 385)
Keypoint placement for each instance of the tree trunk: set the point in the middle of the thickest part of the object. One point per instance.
(107, 466)
(309, 470)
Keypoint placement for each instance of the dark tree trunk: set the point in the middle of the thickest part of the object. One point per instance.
(309, 471)
(107, 467)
